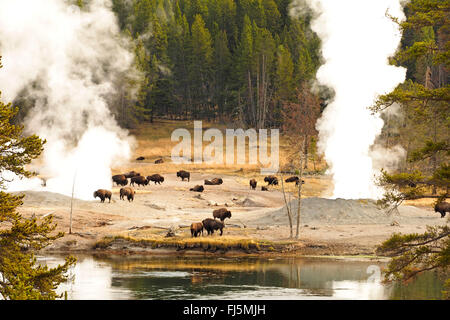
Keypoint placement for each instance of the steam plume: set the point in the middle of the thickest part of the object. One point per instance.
(357, 39)
(66, 60)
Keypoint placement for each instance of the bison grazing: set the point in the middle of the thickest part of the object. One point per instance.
(139, 180)
(140, 158)
(103, 194)
(156, 178)
(131, 174)
(184, 175)
(271, 180)
(197, 188)
(264, 188)
(253, 184)
(210, 225)
(196, 228)
(159, 161)
(128, 192)
(222, 214)
(442, 208)
(215, 181)
(120, 179)
(294, 179)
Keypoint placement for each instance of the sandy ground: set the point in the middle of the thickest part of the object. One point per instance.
(356, 225)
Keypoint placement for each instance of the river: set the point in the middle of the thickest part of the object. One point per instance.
(199, 277)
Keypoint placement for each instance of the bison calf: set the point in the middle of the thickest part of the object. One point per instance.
(103, 194)
(222, 214)
(442, 208)
(271, 180)
(183, 175)
(197, 188)
(210, 225)
(196, 228)
(253, 184)
(128, 192)
(156, 178)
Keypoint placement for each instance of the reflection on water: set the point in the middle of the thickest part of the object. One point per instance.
(172, 277)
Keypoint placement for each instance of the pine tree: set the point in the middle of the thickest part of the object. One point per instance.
(20, 276)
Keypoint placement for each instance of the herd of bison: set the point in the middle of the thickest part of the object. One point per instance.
(210, 225)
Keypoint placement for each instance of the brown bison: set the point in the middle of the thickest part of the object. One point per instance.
(253, 184)
(215, 181)
(156, 178)
(120, 180)
(103, 194)
(264, 188)
(210, 225)
(196, 228)
(159, 161)
(131, 174)
(197, 188)
(184, 175)
(222, 214)
(139, 180)
(442, 208)
(294, 179)
(140, 158)
(271, 180)
(128, 192)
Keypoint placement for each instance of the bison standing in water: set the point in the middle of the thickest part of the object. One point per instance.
(442, 208)
(215, 181)
(103, 194)
(210, 225)
(156, 178)
(196, 228)
(128, 192)
(120, 180)
(183, 175)
(271, 180)
(222, 214)
(139, 180)
(253, 184)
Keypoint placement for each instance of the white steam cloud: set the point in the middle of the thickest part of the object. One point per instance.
(357, 40)
(66, 60)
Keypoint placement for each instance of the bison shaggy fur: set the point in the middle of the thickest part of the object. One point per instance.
(197, 188)
(253, 184)
(131, 174)
(156, 178)
(442, 208)
(183, 175)
(196, 228)
(211, 225)
(128, 192)
(294, 179)
(120, 179)
(221, 214)
(103, 194)
(215, 181)
(139, 180)
(271, 180)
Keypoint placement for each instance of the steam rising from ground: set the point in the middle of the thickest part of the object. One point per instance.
(66, 60)
(357, 39)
